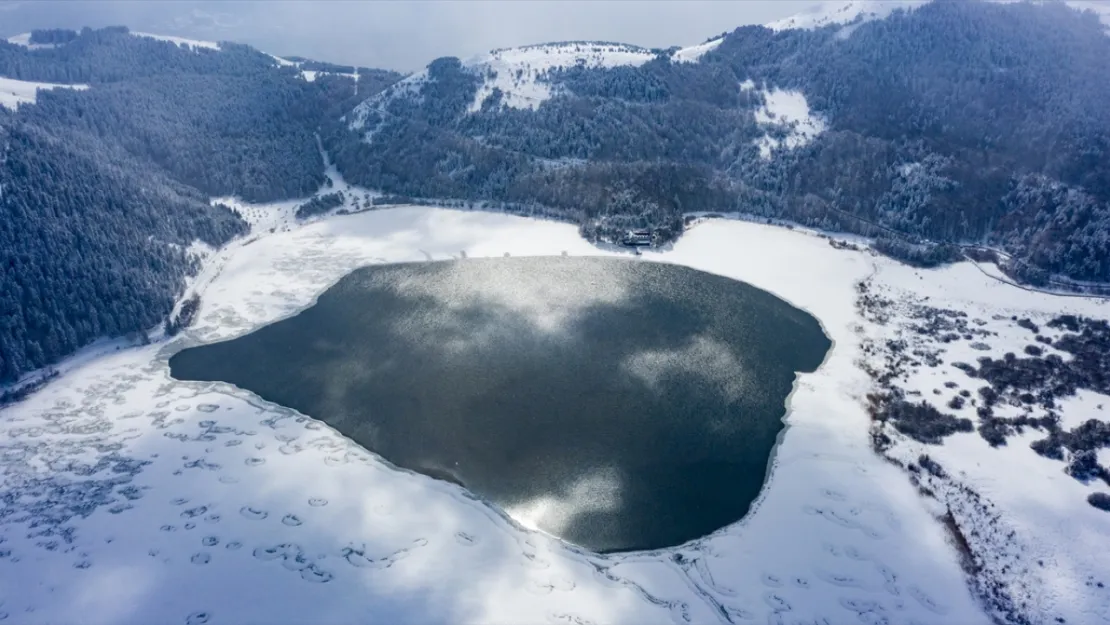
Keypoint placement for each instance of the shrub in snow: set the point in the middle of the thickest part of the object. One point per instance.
(1084, 466)
(1100, 501)
(921, 422)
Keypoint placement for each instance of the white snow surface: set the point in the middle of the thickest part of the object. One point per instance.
(14, 92)
(24, 39)
(140, 499)
(788, 110)
(692, 54)
(518, 72)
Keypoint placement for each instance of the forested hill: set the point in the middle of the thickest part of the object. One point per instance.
(955, 122)
(966, 122)
(103, 188)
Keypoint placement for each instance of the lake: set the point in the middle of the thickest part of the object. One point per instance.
(618, 404)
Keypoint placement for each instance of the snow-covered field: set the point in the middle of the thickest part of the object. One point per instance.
(131, 497)
(1036, 539)
(16, 92)
(24, 39)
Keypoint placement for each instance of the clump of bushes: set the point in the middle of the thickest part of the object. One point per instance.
(921, 421)
(320, 205)
(1099, 500)
(184, 316)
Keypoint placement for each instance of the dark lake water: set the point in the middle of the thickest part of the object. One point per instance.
(617, 404)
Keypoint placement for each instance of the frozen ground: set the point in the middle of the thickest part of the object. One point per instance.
(129, 497)
(14, 92)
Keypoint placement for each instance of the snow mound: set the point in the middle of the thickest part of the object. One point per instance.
(180, 41)
(843, 12)
(693, 54)
(787, 110)
(14, 92)
(519, 72)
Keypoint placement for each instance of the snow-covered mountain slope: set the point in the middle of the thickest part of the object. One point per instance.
(832, 12)
(15, 92)
(518, 72)
(844, 12)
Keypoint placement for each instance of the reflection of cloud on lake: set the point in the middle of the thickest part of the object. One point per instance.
(701, 356)
(597, 491)
(548, 296)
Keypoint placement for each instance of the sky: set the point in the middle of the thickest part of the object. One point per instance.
(404, 35)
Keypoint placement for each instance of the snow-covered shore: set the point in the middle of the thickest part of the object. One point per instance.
(129, 497)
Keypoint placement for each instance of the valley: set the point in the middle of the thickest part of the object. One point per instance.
(944, 458)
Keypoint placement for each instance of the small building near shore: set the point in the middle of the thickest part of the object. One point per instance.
(638, 238)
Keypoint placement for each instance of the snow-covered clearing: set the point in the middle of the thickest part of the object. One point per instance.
(789, 112)
(16, 92)
(142, 499)
(519, 72)
(310, 75)
(24, 39)
(692, 54)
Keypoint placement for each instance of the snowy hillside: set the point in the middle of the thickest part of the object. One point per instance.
(788, 111)
(844, 12)
(691, 54)
(519, 72)
(832, 12)
(15, 92)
